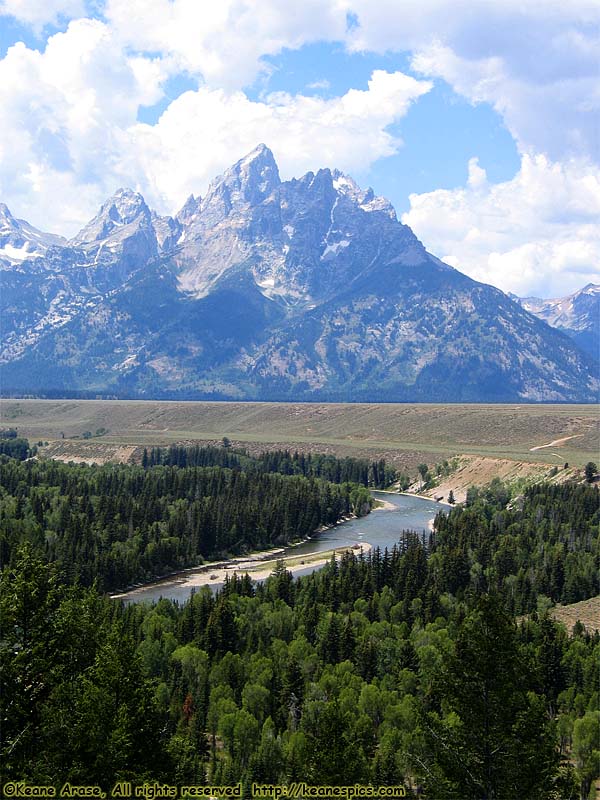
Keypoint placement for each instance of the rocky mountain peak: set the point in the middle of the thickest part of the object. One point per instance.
(126, 205)
(189, 209)
(303, 289)
(344, 184)
(247, 183)
(124, 208)
(577, 315)
(259, 160)
(5, 215)
(300, 240)
(167, 231)
(366, 199)
(121, 236)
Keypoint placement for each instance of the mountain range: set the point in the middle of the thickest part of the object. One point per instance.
(307, 289)
(577, 315)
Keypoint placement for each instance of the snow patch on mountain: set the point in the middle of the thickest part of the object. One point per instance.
(334, 248)
(20, 241)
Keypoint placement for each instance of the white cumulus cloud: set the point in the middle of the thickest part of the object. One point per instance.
(39, 13)
(224, 42)
(214, 128)
(536, 234)
(64, 116)
(536, 63)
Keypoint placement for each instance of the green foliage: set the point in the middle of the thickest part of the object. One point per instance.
(14, 447)
(590, 471)
(492, 739)
(376, 474)
(586, 749)
(75, 704)
(549, 546)
(404, 481)
(333, 756)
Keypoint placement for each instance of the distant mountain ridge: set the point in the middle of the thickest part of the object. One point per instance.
(266, 289)
(577, 315)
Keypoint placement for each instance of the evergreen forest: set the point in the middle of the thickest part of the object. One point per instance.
(123, 524)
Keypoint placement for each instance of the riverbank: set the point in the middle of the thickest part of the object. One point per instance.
(429, 497)
(217, 571)
(413, 494)
(258, 569)
(431, 522)
(382, 530)
(382, 505)
(479, 471)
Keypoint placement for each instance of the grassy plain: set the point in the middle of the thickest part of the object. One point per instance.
(404, 434)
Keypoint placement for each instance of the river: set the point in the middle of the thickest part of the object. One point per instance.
(380, 528)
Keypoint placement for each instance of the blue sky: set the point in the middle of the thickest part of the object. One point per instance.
(477, 120)
(440, 134)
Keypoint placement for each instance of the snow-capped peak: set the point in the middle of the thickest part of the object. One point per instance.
(591, 288)
(577, 313)
(344, 184)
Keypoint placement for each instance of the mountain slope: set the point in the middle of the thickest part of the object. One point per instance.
(302, 289)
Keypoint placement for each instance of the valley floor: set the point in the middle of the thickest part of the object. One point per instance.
(534, 437)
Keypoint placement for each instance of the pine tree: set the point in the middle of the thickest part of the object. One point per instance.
(494, 739)
(590, 471)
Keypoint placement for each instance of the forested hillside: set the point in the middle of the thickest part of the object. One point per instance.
(123, 524)
(394, 668)
(544, 547)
